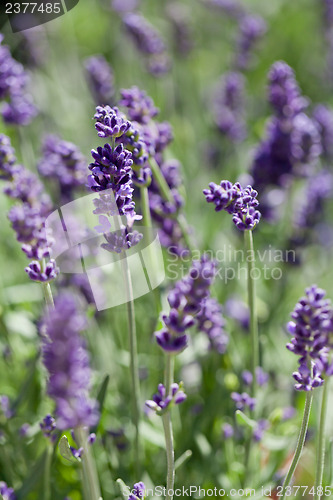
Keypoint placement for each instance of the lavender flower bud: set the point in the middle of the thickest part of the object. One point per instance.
(48, 426)
(243, 401)
(227, 430)
(162, 403)
(140, 107)
(100, 78)
(110, 122)
(35, 272)
(6, 492)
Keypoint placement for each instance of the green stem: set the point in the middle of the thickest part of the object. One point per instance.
(300, 442)
(48, 295)
(167, 425)
(252, 307)
(47, 484)
(321, 440)
(134, 365)
(160, 179)
(90, 481)
(145, 207)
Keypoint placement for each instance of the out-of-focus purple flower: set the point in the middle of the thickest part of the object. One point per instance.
(48, 426)
(162, 402)
(247, 377)
(251, 29)
(310, 320)
(118, 435)
(24, 429)
(6, 492)
(122, 6)
(258, 432)
(110, 122)
(261, 376)
(17, 108)
(284, 93)
(210, 321)
(229, 107)
(227, 431)
(100, 78)
(64, 162)
(231, 8)
(323, 117)
(235, 200)
(138, 492)
(91, 438)
(5, 407)
(67, 361)
(243, 401)
(140, 107)
(121, 240)
(305, 140)
(288, 413)
(182, 30)
(185, 300)
(46, 275)
(238, 311)
(149, 42)
(7, 158)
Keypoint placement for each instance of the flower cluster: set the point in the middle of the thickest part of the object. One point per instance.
(48, 426)
(163, 402)
(100, 78)
(310, 327)
(138, 492)
(229, 107)
(6, 492)
(17, 107)
(211, 322)
(261, 377)
(323, 117)
(240, 203)
(293, 143)
(36, 273)
(186, 301)
(149, 42)
(110, 122)
(67, 361)
(251, 30)
(64, 162)
(140, 107)
(7, 158)
(243, 401)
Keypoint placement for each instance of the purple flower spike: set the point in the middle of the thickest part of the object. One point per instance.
(100, 78)
(243, 401)
(252, 28)
(35, 272)
(67, 362)
(138, 491)
(162, 403)
(110, 122)
(140, 107)
(7, 158)
(212, 323)
(323, 118)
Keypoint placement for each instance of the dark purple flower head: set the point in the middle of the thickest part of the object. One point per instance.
(67, 361)
(323, 117)
(284, 92)
(311, 320)
(251, 29)
(210, 321)
(140, 107)
(110, 122)
(235, 200)
(243, 401)
(48, 426)
(6, 492)
(7, 158)
(162, 402)
(36, 273)
(138, 491)
(100, 78)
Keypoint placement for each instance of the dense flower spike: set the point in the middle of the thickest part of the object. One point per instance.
(162, 402)
(18, 108)
(67, 362)
(186, 300)
(243, 401)
(65, 163)
(251, 29)
(100, 78)
(140, 107)
(110, 122)
(229, 107)
(284, 92)
(323, 117)
(7, 158)
(212, 323)
(240, 203)
(6, 492)
(149, 42)
(311, 320)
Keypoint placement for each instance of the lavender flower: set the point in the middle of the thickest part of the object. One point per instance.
(7, 158)
(140, 107)
(6, 492)
(238, 311)
(162, 402)
(18, 107)
(305, 140)
(36, 273)
(64, 162)
(100, 78)
(48, 426)
(243, 401)
(311, 317)
(185, 300)
(251, 29)
(110, 122)
(258, 432)
(182, 31)
(323, 118)
(229, 107)
(231, 8)
(5, 407)
(235, 200)
(227, 430)
(138, 492)
(67, 362)
(211, 322)
(122, 6)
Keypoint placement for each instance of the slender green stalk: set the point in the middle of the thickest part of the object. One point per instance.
(47, 484)
(145, 207)
(321, 441)
(167, 424)
(90, 481)
(48, 295)
(134, 365)
(300, 442)
(186, 232)
(248, 238)
(160, 179)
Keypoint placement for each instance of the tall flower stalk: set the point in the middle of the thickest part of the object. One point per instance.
(320, 459)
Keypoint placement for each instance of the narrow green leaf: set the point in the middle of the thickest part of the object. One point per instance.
(183, 458)
(123, 488)
(101, 398)
(35, 474)
(243, 420)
